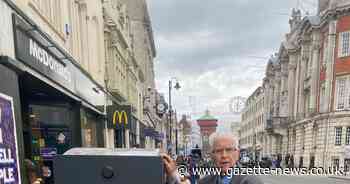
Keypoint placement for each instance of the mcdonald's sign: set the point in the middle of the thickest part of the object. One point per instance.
(119, 116)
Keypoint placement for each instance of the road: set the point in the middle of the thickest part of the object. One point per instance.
(302, 180)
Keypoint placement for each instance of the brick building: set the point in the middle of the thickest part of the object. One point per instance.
(307, 89)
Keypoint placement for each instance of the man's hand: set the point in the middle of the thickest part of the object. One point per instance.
(170, 165)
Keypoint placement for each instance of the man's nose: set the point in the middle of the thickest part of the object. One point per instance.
(224, 153)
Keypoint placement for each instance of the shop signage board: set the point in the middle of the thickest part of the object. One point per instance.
(119, 116)
(34, 54)
(38, 54)
(9, 163)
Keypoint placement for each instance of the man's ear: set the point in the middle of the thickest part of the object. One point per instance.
(237, 153)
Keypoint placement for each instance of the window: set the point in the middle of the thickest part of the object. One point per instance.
(344, 44)
(341, 93)
(335, 162)
(347, 136)
(338, 132)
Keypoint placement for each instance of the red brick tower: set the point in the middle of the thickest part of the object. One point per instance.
(208, 126)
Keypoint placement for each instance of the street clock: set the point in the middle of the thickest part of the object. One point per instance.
(161, 108)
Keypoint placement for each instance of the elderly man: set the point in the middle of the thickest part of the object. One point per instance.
(225, 154)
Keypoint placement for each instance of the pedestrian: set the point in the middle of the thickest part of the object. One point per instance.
(274, 162)
(32, 172)
(225, 153)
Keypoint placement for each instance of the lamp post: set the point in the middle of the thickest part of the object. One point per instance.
(177, 86)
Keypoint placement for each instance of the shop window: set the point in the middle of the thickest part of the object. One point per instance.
(89, 130)
(338, 132)
(49, 134)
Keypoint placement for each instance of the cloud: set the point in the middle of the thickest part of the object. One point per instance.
(211, 47)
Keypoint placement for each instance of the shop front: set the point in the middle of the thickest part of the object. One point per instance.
(124, 123)
(56, 105)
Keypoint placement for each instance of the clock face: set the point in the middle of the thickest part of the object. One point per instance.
(161, 108)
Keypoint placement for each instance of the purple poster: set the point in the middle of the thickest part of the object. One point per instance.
(9, 163)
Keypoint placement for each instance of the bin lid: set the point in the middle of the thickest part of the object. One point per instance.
(114, 152)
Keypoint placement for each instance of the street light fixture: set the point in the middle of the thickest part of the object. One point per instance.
(177, 87)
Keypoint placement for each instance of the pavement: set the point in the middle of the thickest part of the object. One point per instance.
(302, 180)
(340, 178)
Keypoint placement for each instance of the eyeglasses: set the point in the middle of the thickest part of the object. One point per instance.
(228, 150)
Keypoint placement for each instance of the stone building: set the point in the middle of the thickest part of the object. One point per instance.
(317, 52)
(144, 52)
(52, 68)
(306, 89)
(252, 134)
(64, 64)
(121, 70)
(185, 129)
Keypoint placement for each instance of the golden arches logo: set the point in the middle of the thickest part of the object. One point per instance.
(118, 116)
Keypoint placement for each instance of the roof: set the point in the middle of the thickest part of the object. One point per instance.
(207, 116)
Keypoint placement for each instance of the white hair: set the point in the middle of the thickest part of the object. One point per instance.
(213, 137)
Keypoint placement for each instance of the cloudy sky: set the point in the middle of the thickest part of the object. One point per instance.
(217, 49)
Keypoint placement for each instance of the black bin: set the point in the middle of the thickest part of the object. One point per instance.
(107, 166)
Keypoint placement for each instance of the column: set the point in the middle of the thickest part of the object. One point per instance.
(314, 70)
(138, 132)
(303, 62)
(284, 88)
(127, 138)
(111, 138)
(330, 62)
(291, 83)
(276, 94)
